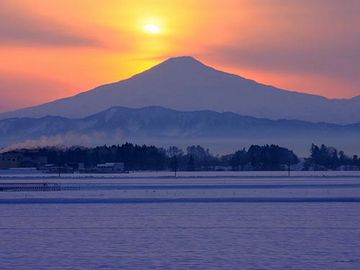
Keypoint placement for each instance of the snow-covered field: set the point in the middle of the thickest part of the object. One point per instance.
(219, 220)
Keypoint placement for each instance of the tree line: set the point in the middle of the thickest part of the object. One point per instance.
(329, 158)
(143, 157)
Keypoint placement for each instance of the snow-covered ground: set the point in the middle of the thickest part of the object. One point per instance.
(33, 174)
(220, 220)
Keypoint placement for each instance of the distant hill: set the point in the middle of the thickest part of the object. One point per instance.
(186, 84)
(223, 131)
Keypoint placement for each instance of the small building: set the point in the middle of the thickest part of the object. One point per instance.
(110, 167)
(18, 159)
(222, 168)
(55, 169)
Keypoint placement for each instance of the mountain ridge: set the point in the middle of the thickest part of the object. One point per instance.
(161, 126)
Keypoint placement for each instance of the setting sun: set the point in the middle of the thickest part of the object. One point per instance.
(152, 29)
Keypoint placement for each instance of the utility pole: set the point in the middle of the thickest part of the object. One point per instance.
(289, 168)
(175, 164)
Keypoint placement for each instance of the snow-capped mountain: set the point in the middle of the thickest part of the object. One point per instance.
(184, 83)
(165, 127)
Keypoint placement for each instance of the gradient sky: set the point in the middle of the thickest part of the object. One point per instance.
(51, 49)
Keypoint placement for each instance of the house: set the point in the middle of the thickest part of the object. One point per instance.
(17, 159)
(110, 167)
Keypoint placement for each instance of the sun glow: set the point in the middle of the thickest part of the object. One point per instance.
(152, 29)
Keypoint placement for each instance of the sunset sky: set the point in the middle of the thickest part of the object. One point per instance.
(56, 48)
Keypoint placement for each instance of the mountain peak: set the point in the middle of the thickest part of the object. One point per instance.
(182, 62)
(180, 66)
(183, 59)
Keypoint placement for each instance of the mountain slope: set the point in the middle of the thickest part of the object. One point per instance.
(165, 126)
(184, 83)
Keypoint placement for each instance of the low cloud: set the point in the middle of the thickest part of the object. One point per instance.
(298, 38)
(20, 28)
(341, 61)
(19, 90)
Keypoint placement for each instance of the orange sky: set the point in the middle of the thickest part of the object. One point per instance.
(57, 48)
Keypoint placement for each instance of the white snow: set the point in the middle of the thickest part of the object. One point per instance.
(99, 227)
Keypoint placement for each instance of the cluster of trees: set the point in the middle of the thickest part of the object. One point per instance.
(263, 158)
(136, 157)
(328, 158)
